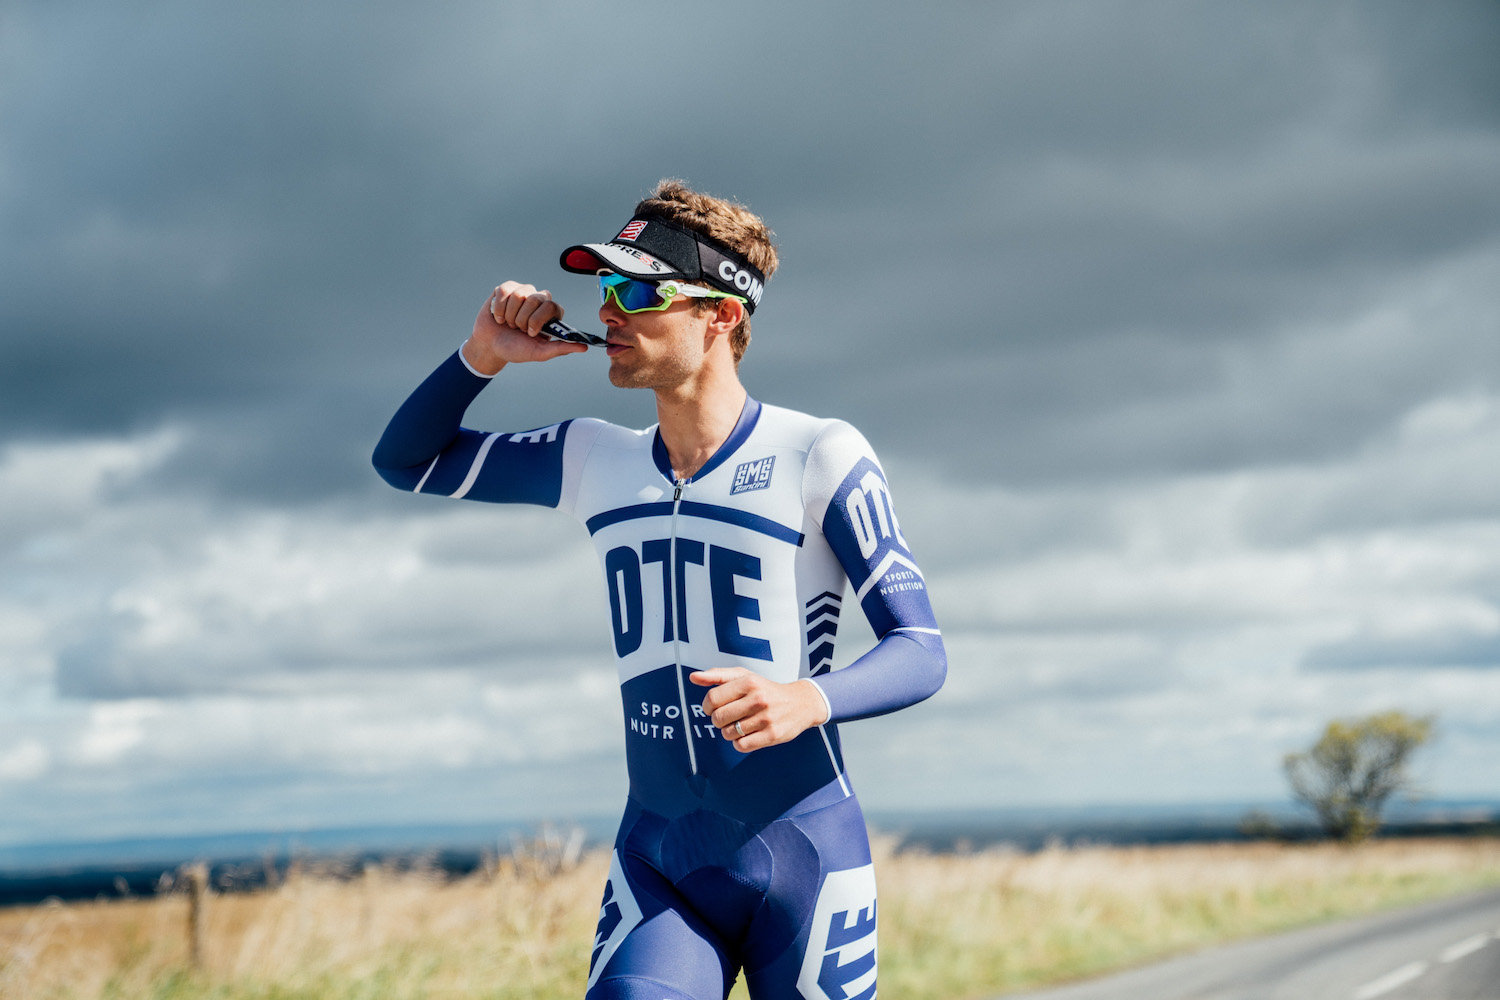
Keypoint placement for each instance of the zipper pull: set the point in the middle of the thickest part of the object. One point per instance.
(677, 495)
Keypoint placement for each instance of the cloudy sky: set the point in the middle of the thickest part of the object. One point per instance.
(1177, 326)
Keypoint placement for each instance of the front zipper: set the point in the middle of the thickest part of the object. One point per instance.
(687, 724)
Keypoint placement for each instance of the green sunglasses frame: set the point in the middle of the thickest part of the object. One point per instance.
(667, 290)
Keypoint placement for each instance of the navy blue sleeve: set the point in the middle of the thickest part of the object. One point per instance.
(425, 450)
(908, 663)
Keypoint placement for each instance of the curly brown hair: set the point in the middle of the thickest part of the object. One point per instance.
(723, 221)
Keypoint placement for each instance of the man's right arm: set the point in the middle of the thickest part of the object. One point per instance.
(424, 448)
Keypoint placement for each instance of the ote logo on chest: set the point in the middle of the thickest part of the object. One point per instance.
(754, 475)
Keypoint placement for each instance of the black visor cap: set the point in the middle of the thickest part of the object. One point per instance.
(653, 249)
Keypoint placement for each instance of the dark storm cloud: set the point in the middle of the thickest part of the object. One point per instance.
(1054, 258)
(1070, 224)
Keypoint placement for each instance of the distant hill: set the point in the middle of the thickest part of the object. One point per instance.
(30, 873)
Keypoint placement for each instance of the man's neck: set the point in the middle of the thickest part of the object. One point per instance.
(697, 418)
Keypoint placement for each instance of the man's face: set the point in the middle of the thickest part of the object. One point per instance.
(654, 350)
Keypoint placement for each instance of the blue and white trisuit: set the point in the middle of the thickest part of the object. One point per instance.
(724, 860)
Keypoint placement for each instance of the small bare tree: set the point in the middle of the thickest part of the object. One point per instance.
(1357, 764)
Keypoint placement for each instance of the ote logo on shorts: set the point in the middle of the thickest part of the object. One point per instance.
(839, 963)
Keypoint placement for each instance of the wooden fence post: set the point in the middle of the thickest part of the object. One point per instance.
(197, 884)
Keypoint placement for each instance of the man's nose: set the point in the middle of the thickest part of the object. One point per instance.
(611, 314)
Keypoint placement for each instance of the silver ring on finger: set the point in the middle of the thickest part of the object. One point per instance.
(739, 729)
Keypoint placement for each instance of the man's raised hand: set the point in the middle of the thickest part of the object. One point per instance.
(507, 327)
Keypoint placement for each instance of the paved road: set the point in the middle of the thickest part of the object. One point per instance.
(1448, 950)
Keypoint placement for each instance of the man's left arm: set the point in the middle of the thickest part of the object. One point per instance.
(846, 492)
(846, 489)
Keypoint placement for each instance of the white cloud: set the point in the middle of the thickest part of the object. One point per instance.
(1147, 623)
(1148, 639)
(50, 485)
(25, 761)
(156, 594)
(114, 730)
(154, 641)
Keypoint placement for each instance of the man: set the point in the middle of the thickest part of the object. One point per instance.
(726, 532)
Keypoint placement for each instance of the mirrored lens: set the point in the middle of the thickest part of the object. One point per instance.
(631, 295)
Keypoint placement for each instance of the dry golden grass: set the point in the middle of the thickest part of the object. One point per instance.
(951, 926)
(957, 927)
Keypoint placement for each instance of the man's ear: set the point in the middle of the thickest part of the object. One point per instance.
(726, 317)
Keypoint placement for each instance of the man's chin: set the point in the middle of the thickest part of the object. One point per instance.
(622, 377)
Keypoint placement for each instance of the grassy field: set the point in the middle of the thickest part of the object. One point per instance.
(952, 926)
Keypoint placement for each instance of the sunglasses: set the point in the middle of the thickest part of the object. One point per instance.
(634, 296)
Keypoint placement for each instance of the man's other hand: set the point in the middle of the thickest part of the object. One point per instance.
(752, 711)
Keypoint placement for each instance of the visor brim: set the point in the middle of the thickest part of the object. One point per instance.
(590, 258)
